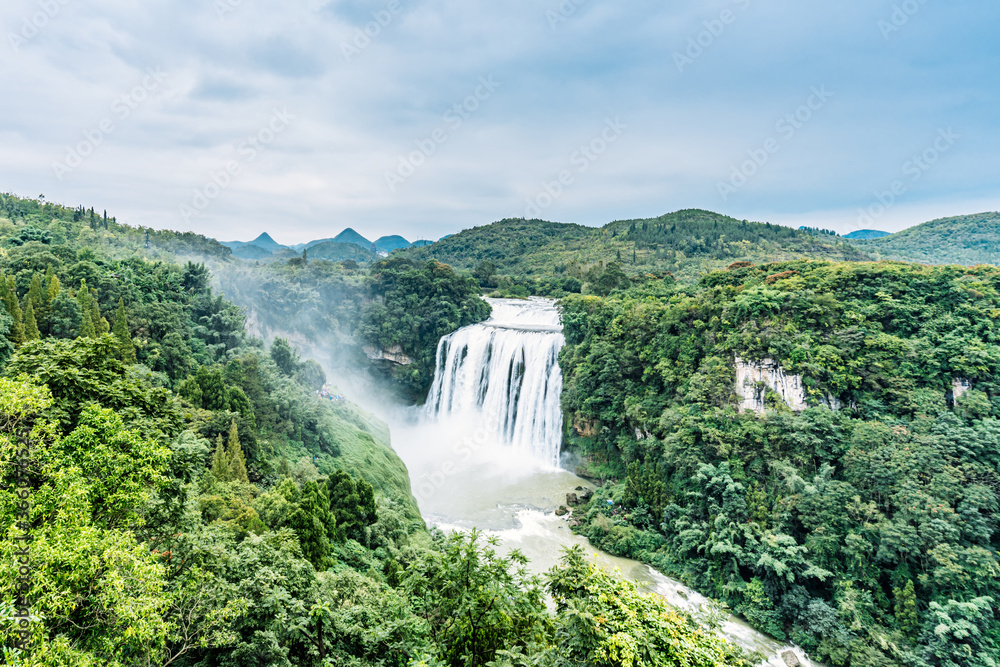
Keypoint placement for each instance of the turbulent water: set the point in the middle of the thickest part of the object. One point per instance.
(484, 453)
(506, 369)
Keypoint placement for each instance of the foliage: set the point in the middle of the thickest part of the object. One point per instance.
(967, 240)
(554, 259)
(836, 529)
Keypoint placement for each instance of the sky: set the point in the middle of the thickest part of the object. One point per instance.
(424, 117)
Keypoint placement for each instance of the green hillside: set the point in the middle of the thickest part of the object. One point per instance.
(966, 240)
(686, 243)
(866, 534)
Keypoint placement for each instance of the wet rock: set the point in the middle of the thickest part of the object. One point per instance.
(579, 488)
(586, 496)
(562, 511)
(790, 659)
(572, 500)
(574, 523)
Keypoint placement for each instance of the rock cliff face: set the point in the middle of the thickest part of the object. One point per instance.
(394, 354)
(754, 378)
(585, 428)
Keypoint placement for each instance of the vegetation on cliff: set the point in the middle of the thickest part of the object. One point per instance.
(866, 535)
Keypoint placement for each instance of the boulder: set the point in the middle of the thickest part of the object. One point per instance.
(572, 500)
(790, 659)
(562, 511)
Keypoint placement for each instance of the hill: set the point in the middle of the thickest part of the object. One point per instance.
(686, 243)
(390, 243)
(966, 240)
(351, 236)
(339, 252)
(251, 252)
(834, 409)
(862, 234)
(263, 242)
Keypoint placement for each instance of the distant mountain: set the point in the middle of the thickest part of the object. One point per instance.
(421, 243)
(251, 251)
(351, 236)
(339, 252)
(966, 240)
(390, 243)
(263, 241)
(688, 242)
(865, 234)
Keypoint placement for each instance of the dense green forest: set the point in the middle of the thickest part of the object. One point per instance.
(967, 240)
(550, 258)
(174, 492)
(867, 535)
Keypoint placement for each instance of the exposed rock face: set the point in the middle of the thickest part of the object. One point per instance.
(585, 428)
(562, 511)
(754, 378)
(960, 387)
(394, 354)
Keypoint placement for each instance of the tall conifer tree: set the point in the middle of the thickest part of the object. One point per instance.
(234, 455)
(125, 345)
(30, 325)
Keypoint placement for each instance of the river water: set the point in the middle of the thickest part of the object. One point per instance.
(484, 453)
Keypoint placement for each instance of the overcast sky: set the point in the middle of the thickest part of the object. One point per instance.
(424, 117)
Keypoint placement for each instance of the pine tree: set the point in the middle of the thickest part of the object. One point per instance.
(101, 325)
(305, 256)
(220, 462)
(13, 306)
(30, 326)
(86, 317)
(35, 292)
(125, 345)
(53, 288)
(234, 456)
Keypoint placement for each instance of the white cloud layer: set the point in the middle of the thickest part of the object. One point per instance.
(374, 88)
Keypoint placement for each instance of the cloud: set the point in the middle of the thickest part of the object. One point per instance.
(370, 82)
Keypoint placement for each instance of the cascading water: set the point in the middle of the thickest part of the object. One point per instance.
(507, 369)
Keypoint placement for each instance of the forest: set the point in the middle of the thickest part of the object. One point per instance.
(547, 258)
(966, 239)
(175, 492)
(865, 534)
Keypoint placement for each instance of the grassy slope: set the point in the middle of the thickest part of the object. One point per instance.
(966, 240)
(686, 242)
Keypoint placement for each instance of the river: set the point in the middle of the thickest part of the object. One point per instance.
(484, 453)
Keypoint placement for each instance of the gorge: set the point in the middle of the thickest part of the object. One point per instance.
(483, 453)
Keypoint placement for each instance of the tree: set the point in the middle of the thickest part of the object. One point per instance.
(30, 326)
(13, 306)
(234, 456)
(83, 299)
(121, 331)
(6, 347)
(476, 602)
(286, 358)
(96, 593)
(220, 462)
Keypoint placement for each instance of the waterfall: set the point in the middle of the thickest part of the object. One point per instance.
(507, 369)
